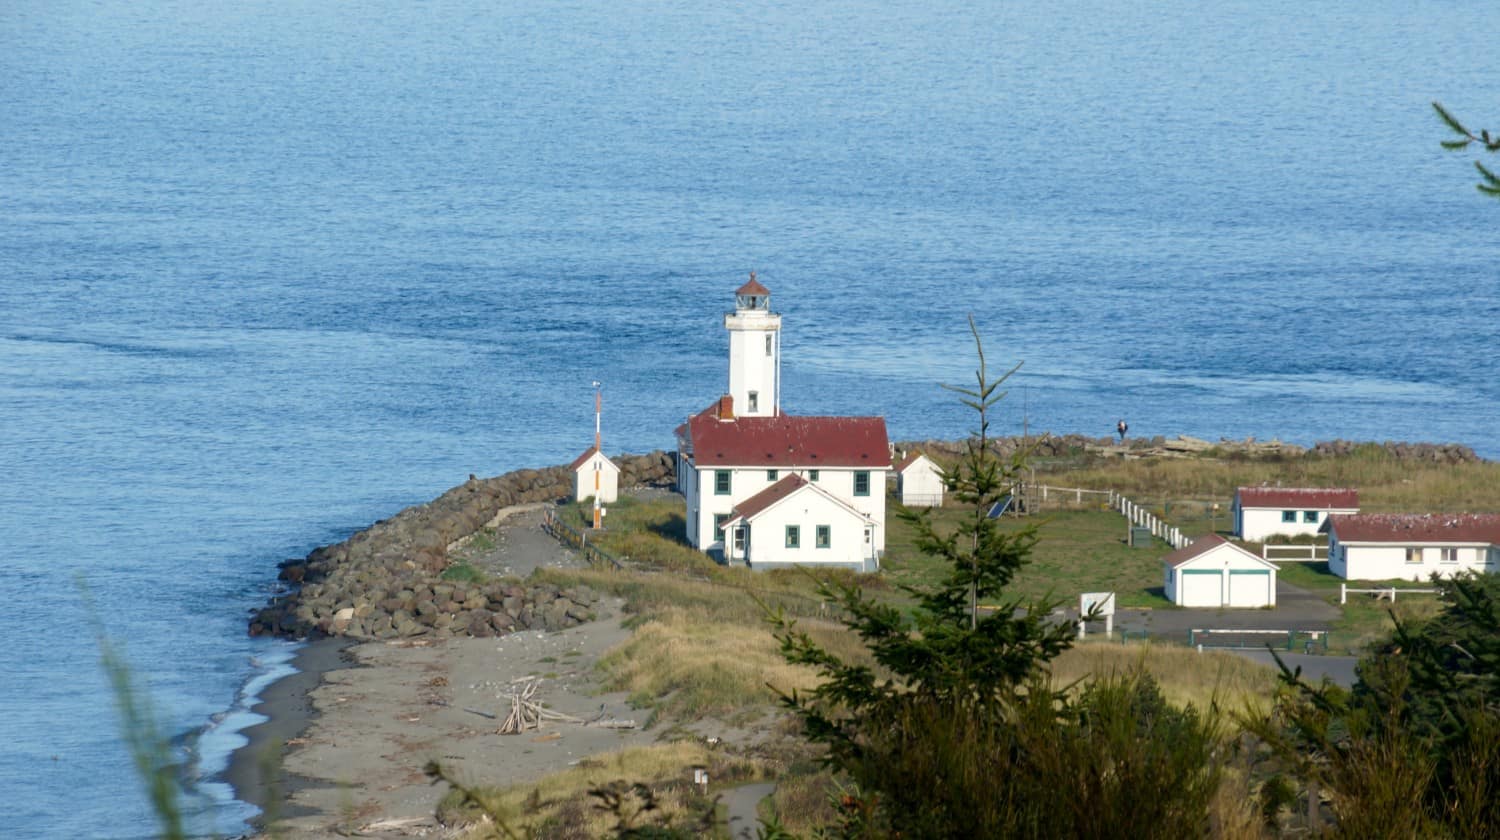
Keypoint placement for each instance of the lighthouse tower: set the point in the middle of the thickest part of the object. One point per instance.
(754, 352)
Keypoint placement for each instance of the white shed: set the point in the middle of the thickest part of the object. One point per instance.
(919, 481)
(797, 522)
(1413, 546)
(589, 465)
(1214, 572)
(1260, 512)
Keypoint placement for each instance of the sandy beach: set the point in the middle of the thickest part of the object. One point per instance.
(357, 723)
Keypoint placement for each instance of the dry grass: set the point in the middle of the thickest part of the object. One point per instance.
(691, 663)
(1185, 676)
(560, 805)
(1385, 484)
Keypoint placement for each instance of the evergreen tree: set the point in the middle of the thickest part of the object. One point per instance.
(1490, 183)
(956, 730)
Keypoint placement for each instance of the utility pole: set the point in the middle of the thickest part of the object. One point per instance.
(598, 451)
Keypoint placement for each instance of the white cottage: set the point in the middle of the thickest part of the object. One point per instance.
(1413, 546)
(1214, 572)
(798, 522)
(1260, 512)
(919, 481)
(591, 467)
(743, 445)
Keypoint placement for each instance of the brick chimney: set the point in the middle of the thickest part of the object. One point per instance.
(725, 408)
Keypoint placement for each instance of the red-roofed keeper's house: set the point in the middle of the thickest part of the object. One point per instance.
(798, 521)
(733, 453)
(1260, 512)
(1379, 546)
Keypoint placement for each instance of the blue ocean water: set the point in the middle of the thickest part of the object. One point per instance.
(270, 271)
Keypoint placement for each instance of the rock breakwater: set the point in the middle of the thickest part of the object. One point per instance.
(386, 581)
(1183, 446)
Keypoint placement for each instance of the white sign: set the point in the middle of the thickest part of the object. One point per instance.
(1104, 602)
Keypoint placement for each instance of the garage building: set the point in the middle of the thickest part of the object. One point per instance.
(1214, 572)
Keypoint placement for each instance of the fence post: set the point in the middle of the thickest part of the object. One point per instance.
(1343, 593)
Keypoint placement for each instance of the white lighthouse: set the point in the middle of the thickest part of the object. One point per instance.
(754, 352)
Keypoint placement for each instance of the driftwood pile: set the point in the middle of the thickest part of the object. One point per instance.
(526, 713)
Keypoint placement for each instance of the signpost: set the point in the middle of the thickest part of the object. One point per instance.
(1097, 605)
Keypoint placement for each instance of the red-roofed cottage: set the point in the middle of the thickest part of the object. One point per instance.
(741, 446)
(1413, 546)
(1260, 512)
(797, 521)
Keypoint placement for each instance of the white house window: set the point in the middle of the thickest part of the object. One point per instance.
(824, 536)
(793, 536)
(1414, 555)
(1310, 516)
(721, 482)
(755, 401)
(771, 475)
(1450, 555)
(768, 344)
(739, 539)
(719, 525)
(862, 483)
(1289, 516)
(812, 475)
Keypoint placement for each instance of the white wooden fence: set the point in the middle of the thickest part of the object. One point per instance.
(1138, 515)
(1382, 592)
(1294, 552)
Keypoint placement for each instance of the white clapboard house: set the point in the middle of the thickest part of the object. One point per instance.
(1260, 512)
(1214, 572)
(771, 489)
(1381, 546)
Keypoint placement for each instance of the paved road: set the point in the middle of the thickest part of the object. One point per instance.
(1296, 609)
(1338, 669)
(741, 803)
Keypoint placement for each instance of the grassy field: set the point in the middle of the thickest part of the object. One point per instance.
(1078, 551)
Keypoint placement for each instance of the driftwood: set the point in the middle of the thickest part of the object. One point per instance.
(526, 713)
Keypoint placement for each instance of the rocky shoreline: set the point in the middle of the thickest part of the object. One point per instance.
(386, 581)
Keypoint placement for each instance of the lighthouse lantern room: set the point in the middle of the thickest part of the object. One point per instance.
(754, 352)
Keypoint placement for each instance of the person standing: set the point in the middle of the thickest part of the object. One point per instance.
(1122, 428)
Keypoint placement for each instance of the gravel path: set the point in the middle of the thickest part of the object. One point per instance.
(741, 804)
(520, 545)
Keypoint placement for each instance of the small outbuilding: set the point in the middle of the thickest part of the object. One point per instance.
(585, 469)
(1376, 546)
(1214, 572)
(1260, 512)
(919, 481)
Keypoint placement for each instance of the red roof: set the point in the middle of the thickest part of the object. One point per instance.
(1336, 498)
(752, 288)
(582, 459)
(1201, 546)
(1417, 527)
(786, 441)
(769, 496)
